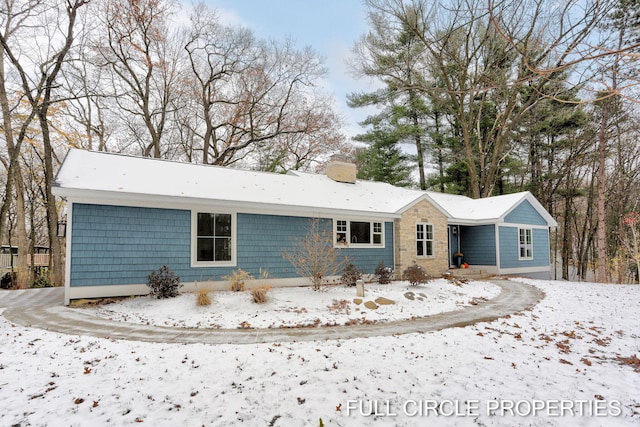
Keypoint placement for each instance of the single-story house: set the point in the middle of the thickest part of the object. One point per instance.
(128, 216)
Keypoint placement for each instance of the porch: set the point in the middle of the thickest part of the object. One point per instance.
(9, 257)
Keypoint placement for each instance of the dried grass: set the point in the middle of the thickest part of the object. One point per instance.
(259, 295)
(237, 279)
(203, 297)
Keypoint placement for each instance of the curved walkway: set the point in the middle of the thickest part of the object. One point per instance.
(514, 297)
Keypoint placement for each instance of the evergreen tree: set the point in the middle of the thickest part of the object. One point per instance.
(383, 160)
(394, 55)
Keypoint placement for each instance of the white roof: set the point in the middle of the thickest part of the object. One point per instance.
(110, 178)
(490, 209)
(97, 175)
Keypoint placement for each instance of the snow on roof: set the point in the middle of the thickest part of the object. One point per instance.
(84, 173)
(96, 176)
(461, 207)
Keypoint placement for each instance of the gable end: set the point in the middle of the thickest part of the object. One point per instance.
(525, 213)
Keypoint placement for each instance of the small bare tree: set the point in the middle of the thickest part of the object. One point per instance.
(314, 256)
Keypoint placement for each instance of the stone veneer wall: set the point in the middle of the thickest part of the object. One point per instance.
(405, 238)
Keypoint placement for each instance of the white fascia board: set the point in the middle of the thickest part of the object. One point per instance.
(190, 203)
(417, 200)
(551, 222)
(472, 222)
(516, 225)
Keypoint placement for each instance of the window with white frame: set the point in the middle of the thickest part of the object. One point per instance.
(354, 233)
(424, 239)
(525, 243)
(213, 238)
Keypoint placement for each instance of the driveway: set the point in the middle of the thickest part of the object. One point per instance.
(514, 297)
(45, 297)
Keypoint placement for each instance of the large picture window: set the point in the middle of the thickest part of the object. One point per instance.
(424, 239)
(213, 239)
(525, 243)
(353, 233)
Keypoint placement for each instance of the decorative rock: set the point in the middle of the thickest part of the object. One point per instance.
(371, 305)
(357, 301)
(384, 301)
(410, 296)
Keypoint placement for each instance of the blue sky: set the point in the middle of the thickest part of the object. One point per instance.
(330, 27)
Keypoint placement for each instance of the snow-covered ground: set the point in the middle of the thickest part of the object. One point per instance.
(299, 307)
(571, 360)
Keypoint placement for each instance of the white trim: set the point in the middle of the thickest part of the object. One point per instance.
(349, 244)
(517, 270)
(537, 206)
(67, 261)
(497, 234)
(425, 196)
(514, 225)
(432, 240)
(194, 239)
(525, 257)
(95, 197)
(103, 291)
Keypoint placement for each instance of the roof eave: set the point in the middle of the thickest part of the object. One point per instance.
(78, 195)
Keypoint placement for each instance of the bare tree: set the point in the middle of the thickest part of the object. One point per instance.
(38, 71)
(143, 57)
(252, 96)
(314, 255)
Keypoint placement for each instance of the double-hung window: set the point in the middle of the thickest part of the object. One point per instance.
(212, 241)
(424, 239)
(350, 233)
(525, 243)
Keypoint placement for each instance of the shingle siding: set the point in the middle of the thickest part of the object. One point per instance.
(525, 213)
(116, 245)
(509, 248)
(478, 244)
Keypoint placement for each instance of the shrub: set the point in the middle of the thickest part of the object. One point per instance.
(259, 295)
(8, 280)
(313, 256)
(237, 279)
(203, 297)
(350, 275)
(41, 281)
(163, 283)
(384, 274)
(415, 275)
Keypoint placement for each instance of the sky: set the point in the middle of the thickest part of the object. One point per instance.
(330, 27)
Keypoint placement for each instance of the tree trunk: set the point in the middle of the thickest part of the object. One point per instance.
(566, 238)
(14, 181)
(56, 267)
(601, 275)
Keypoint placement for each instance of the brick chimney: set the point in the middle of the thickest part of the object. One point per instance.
(341, 169)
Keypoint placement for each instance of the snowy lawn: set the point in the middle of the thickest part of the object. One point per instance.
(300, 307)
(570, 361)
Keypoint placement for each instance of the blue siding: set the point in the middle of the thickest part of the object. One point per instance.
(525, 213)
(509, 251)
(123, 245)
(478, 244)
(113, 245)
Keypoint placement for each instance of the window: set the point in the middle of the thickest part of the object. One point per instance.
(213, 239)
(341, 232)
(350, 233)
(377, 233)
(424, 239)
(525, 243)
